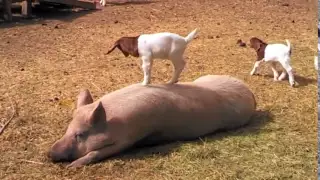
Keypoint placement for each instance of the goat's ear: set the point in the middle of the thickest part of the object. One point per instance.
(126, 54)
(123, 47)
(256, 46)
(84, 98)
(130, 47)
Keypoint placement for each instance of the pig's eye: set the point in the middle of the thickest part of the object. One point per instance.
(79, 137)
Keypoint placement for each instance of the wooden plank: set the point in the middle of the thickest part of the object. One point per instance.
(26, 8)
(83, 4)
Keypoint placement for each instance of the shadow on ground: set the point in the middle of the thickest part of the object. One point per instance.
(131, 2)
(301, 81)
(43, 13)
(65, 13)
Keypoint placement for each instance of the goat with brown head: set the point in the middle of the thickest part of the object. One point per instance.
(163, 45)
(127, 45)
(273, 53)
(259, 46)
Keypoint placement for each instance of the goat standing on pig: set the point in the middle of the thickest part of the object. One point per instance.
(152, 46)
(150, 115)
(273, 53)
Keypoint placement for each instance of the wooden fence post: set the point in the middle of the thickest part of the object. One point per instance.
(26, 8)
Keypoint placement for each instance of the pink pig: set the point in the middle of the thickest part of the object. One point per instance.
(152, 114)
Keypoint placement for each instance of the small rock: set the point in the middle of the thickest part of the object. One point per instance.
(44, 24)
(65, 73)
(218, 23)
(242, 44)
(293, 21)
(8, 42)
(116, 21)
(56, 26)
(22, 69)
(217, 36)
(56, 99)
(239, 41)
(285, 4)
(210, 37)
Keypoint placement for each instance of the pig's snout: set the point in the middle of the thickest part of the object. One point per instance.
(58, 157)
(59, 154)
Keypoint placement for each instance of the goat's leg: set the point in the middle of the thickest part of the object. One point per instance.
(146, 67)
(255, 67)
(285, 64)
(178, 64)
(282, 76)
(275, 72)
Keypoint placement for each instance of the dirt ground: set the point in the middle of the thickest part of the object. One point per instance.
(46, 61)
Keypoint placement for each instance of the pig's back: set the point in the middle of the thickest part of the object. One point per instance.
(182, 111)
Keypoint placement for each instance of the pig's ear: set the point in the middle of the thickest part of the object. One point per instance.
(84, 98)
(98, 114)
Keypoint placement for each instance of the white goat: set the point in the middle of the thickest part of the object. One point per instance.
(273, 53)
(163, 45)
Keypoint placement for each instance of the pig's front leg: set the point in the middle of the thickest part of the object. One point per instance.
(97, 155)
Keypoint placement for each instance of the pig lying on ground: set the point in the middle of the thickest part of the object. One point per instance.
(152, 114)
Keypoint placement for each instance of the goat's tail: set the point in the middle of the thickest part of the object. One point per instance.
(114, 46)
(289, 46)
(191, 35)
